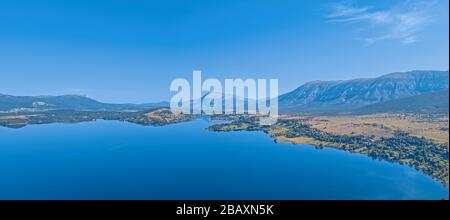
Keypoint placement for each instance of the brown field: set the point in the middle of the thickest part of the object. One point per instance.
(383, 125)
(298, 140)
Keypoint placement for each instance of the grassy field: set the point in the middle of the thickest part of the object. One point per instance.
(384, 125)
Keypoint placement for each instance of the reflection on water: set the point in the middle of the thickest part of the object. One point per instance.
(118, 160)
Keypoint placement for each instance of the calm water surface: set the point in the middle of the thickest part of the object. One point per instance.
(119, 160)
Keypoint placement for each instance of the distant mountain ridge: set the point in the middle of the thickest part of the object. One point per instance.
(344, 95)
(64, 102)
(358, 95)
(428, 103)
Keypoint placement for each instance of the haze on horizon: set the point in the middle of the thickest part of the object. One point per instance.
(130, 51)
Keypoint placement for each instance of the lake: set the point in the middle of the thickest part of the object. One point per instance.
(119, 160)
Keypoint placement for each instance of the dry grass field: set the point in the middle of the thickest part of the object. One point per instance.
(383, 125)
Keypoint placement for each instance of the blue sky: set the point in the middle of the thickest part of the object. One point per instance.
(130, 51)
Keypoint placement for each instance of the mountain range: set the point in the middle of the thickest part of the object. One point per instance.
(65, 102)
(414, 91)
(349, 95)
(434, 103)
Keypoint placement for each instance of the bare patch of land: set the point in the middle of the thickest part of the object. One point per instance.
(384, 125)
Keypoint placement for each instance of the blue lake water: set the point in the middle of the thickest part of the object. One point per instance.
(119, 160)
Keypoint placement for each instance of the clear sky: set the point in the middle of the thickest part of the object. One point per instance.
(130, 51)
